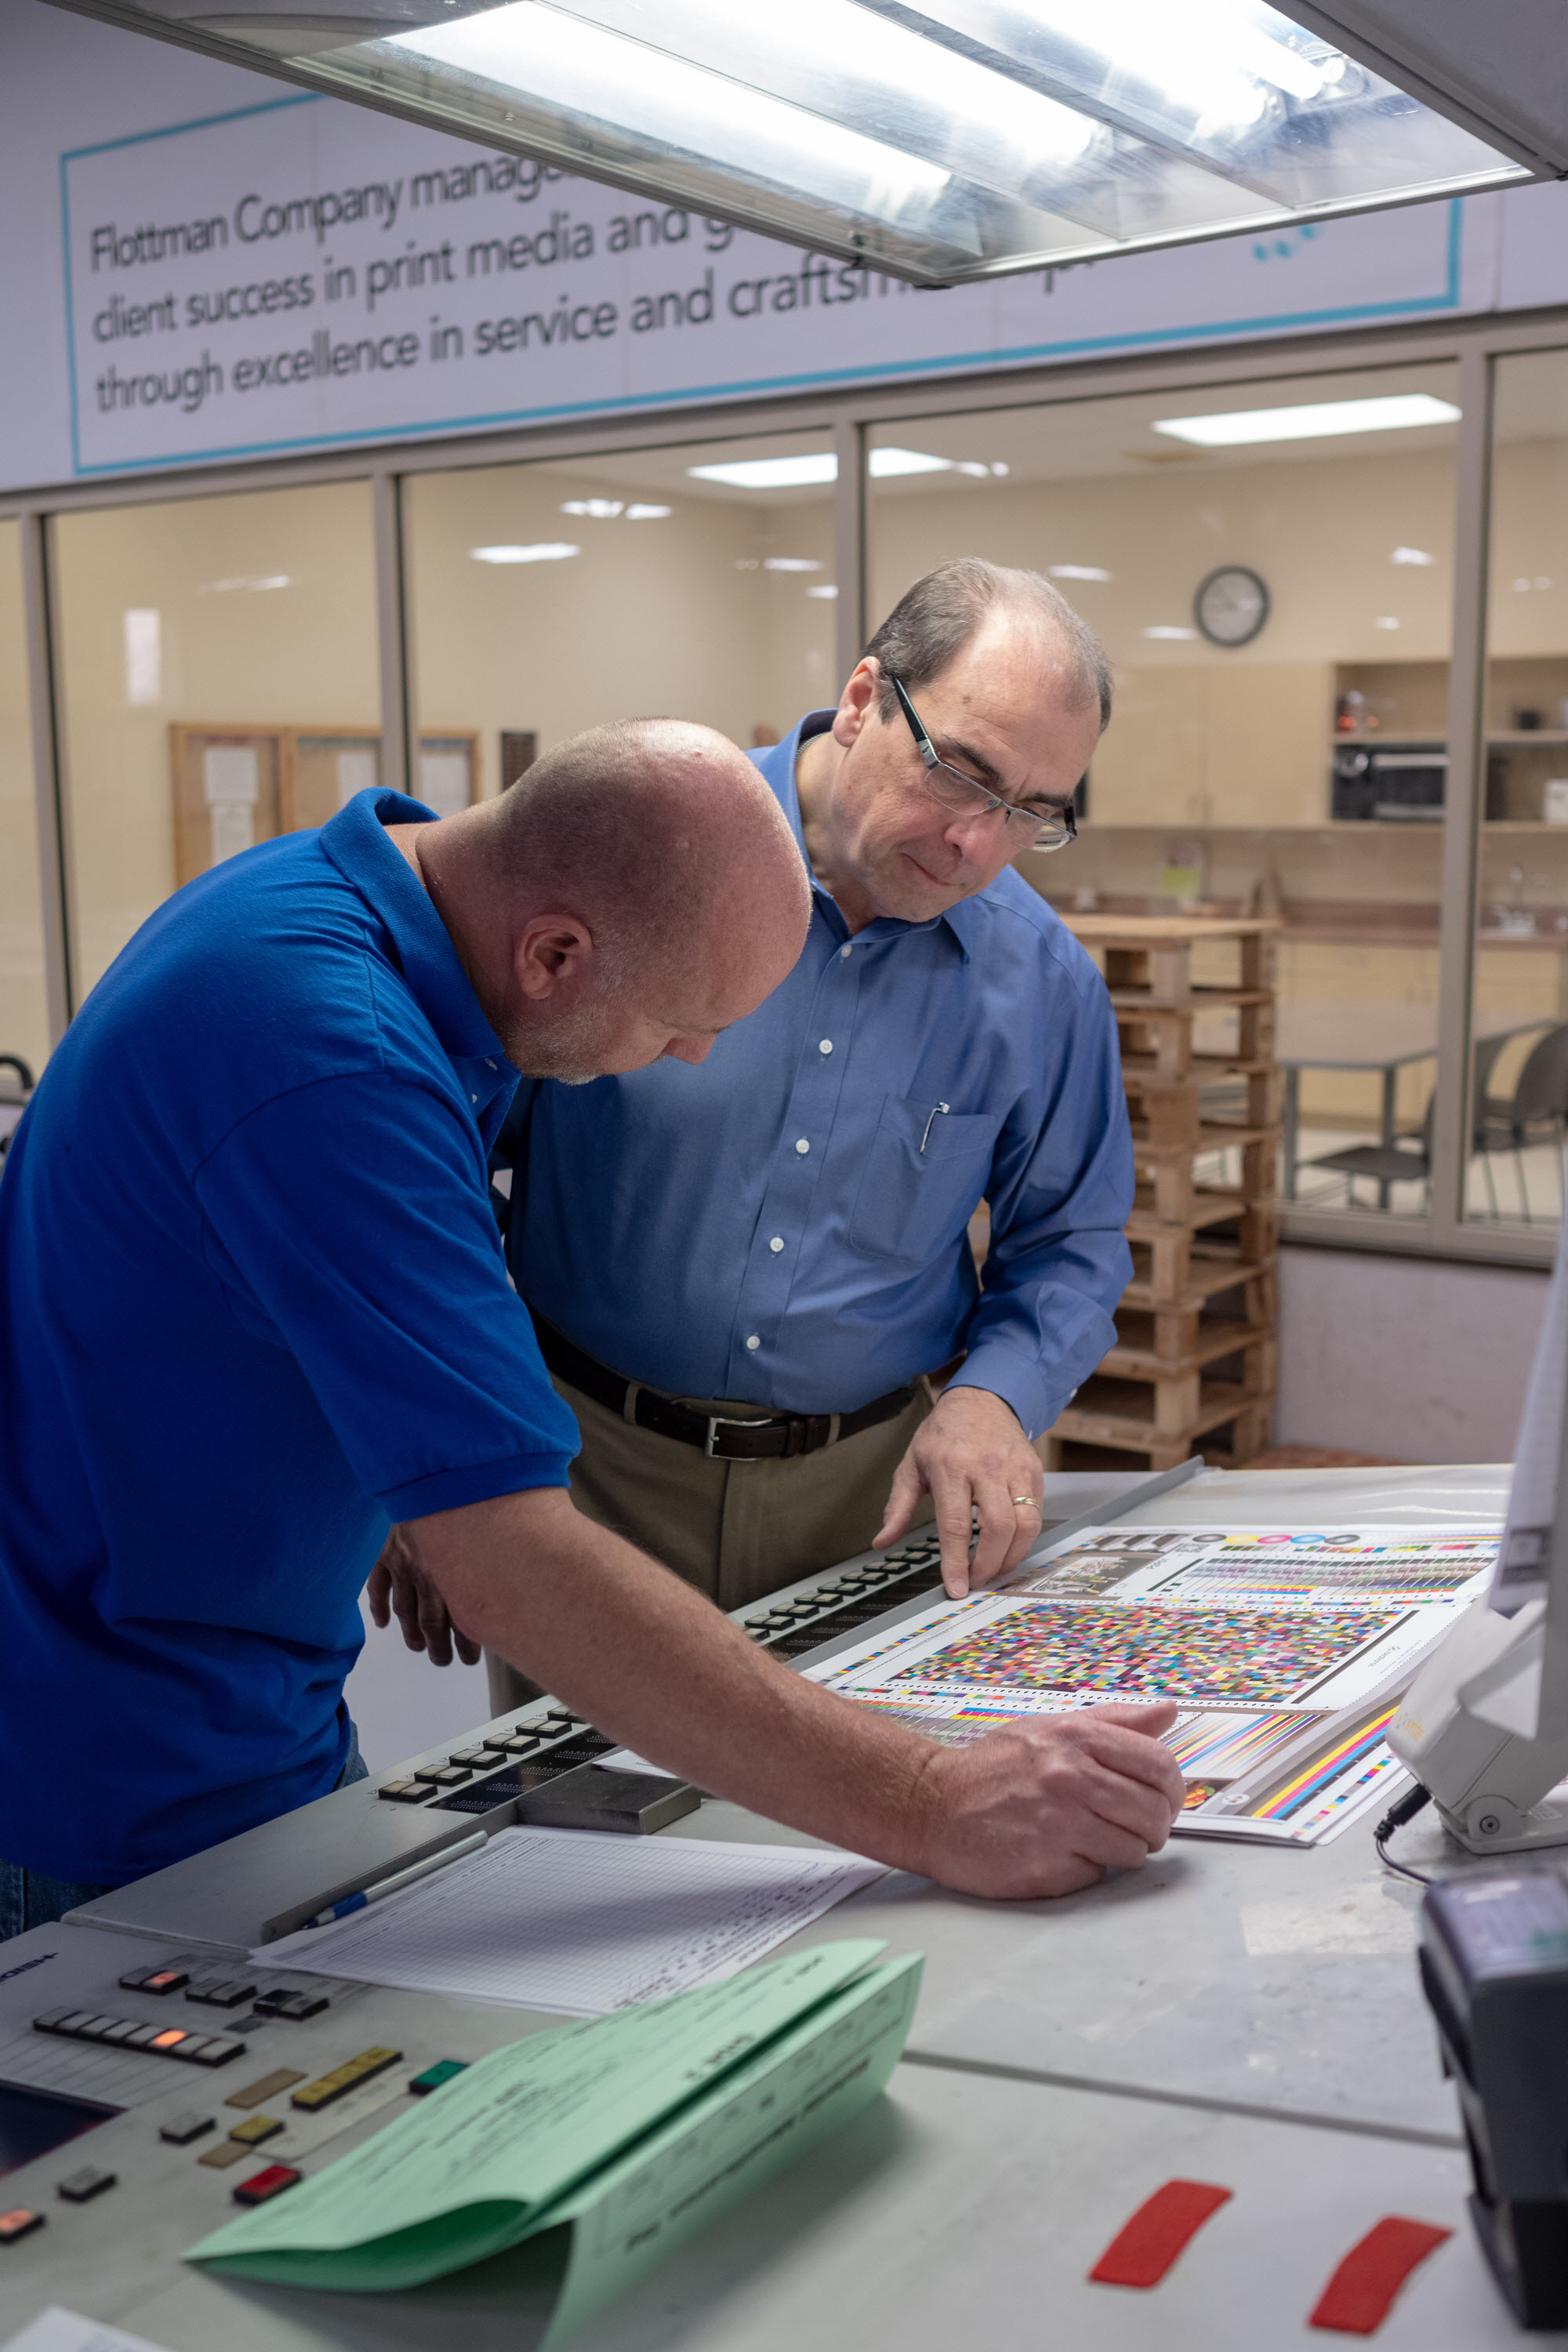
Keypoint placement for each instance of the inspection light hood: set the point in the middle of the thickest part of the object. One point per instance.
(939, 141)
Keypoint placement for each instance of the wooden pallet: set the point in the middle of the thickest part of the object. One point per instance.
(1195, 1359)
(1224, 1446)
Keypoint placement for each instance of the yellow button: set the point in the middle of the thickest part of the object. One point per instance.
(255, 2128)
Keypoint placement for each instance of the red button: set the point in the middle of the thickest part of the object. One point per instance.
(265, 2184)
(169, 2039)
(18, 2224)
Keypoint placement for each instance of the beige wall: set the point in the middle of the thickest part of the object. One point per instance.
(229, 650)
(676, 616)
(24, 1026)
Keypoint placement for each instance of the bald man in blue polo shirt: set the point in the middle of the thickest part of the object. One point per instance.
(255, 1310)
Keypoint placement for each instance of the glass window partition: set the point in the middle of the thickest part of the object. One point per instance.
(694, 581)
(1519, 999)
(209, 649)
(23, 1006)
(1270, 567)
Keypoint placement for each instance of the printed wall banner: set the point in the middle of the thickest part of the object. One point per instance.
(300, 273)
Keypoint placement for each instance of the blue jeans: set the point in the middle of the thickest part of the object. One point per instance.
(30, 1899)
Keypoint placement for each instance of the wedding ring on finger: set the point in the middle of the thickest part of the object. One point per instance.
(1028, 1499)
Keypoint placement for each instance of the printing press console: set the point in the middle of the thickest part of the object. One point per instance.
(151, 2073)
(149, 2070)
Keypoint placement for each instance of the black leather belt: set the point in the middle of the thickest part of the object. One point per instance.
(774, 1437)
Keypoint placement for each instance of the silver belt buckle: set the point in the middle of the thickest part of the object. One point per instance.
(718, 1420)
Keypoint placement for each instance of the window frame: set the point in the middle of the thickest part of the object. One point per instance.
(1475, 345)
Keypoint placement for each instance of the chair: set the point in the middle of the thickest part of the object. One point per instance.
(1401, 1161)
(1536, 1112)
(13, 1098)
(1404, 1161)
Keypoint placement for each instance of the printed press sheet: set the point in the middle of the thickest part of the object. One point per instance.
(1286, 1650)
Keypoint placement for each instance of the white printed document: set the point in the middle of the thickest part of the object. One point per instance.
(581, 1922)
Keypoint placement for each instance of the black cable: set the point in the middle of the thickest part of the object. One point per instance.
(1407, 1808)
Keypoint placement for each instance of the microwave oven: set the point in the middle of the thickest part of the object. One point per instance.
(1405, 785)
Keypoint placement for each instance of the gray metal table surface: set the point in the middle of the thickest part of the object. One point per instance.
(958, 2210)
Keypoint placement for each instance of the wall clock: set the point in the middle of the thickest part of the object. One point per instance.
(1231, 606)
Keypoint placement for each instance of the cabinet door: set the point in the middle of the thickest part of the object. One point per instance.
(1150, 768)
(1231, 742)
(1270, 726)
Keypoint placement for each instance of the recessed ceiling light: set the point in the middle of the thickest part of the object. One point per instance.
(826, 589)
(791, 564)
(266, 580)
(1411, 555)
(1078, 571)
(546, 550)
(884, 462)
(1394, 411)
(1163, 629)
(648, 514)
(771, 473)
(1386, 621)
(597, 510)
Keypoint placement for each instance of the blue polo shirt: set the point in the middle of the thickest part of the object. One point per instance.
(254, 1309)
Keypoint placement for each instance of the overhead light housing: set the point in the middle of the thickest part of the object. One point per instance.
(1397, 412)
(938, 140)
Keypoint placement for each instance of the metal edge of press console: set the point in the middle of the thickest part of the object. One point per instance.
(1098, 1515)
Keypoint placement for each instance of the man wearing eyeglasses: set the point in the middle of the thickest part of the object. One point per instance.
(739, 1272)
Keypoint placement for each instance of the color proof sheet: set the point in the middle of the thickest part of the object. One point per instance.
(1284, 1648)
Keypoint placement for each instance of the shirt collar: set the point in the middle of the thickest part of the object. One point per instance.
(777, 764)
(356, 840)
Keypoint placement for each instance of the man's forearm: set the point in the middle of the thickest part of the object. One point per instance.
(655, 1665)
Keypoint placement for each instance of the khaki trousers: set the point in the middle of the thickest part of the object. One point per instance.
(736, 1530)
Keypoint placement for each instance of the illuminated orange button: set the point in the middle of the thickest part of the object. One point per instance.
(171, 2040)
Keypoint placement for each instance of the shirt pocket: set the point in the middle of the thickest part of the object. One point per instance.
(913, 1205)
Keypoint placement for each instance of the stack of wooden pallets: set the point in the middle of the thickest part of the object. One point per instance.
(1194, 1366)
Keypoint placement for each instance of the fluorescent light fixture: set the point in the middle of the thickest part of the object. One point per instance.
(941, 141)
(1078, 571)
(825, 590)
(1411, 555)
(791, 564)
(637, 513)
(255, 583)
(883, 462)
(771, 473)
(1163, 629)
(545, 551)
(596, 510)
(1386, 621)
(586, 69)
(1393, 412)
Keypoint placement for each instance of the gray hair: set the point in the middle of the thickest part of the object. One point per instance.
(933, 621)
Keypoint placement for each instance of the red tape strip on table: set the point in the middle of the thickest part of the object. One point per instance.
(1143, 2251)
(1361, 2293)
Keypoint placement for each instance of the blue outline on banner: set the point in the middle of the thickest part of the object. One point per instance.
(628, 404)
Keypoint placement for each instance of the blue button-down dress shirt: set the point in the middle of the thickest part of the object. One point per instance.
(783, 1224)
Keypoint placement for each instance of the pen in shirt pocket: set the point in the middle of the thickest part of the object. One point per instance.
(941, 1107)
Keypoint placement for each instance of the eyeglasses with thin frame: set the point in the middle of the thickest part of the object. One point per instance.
(1052, 829)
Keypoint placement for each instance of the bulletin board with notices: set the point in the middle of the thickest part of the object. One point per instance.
(235, 786)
